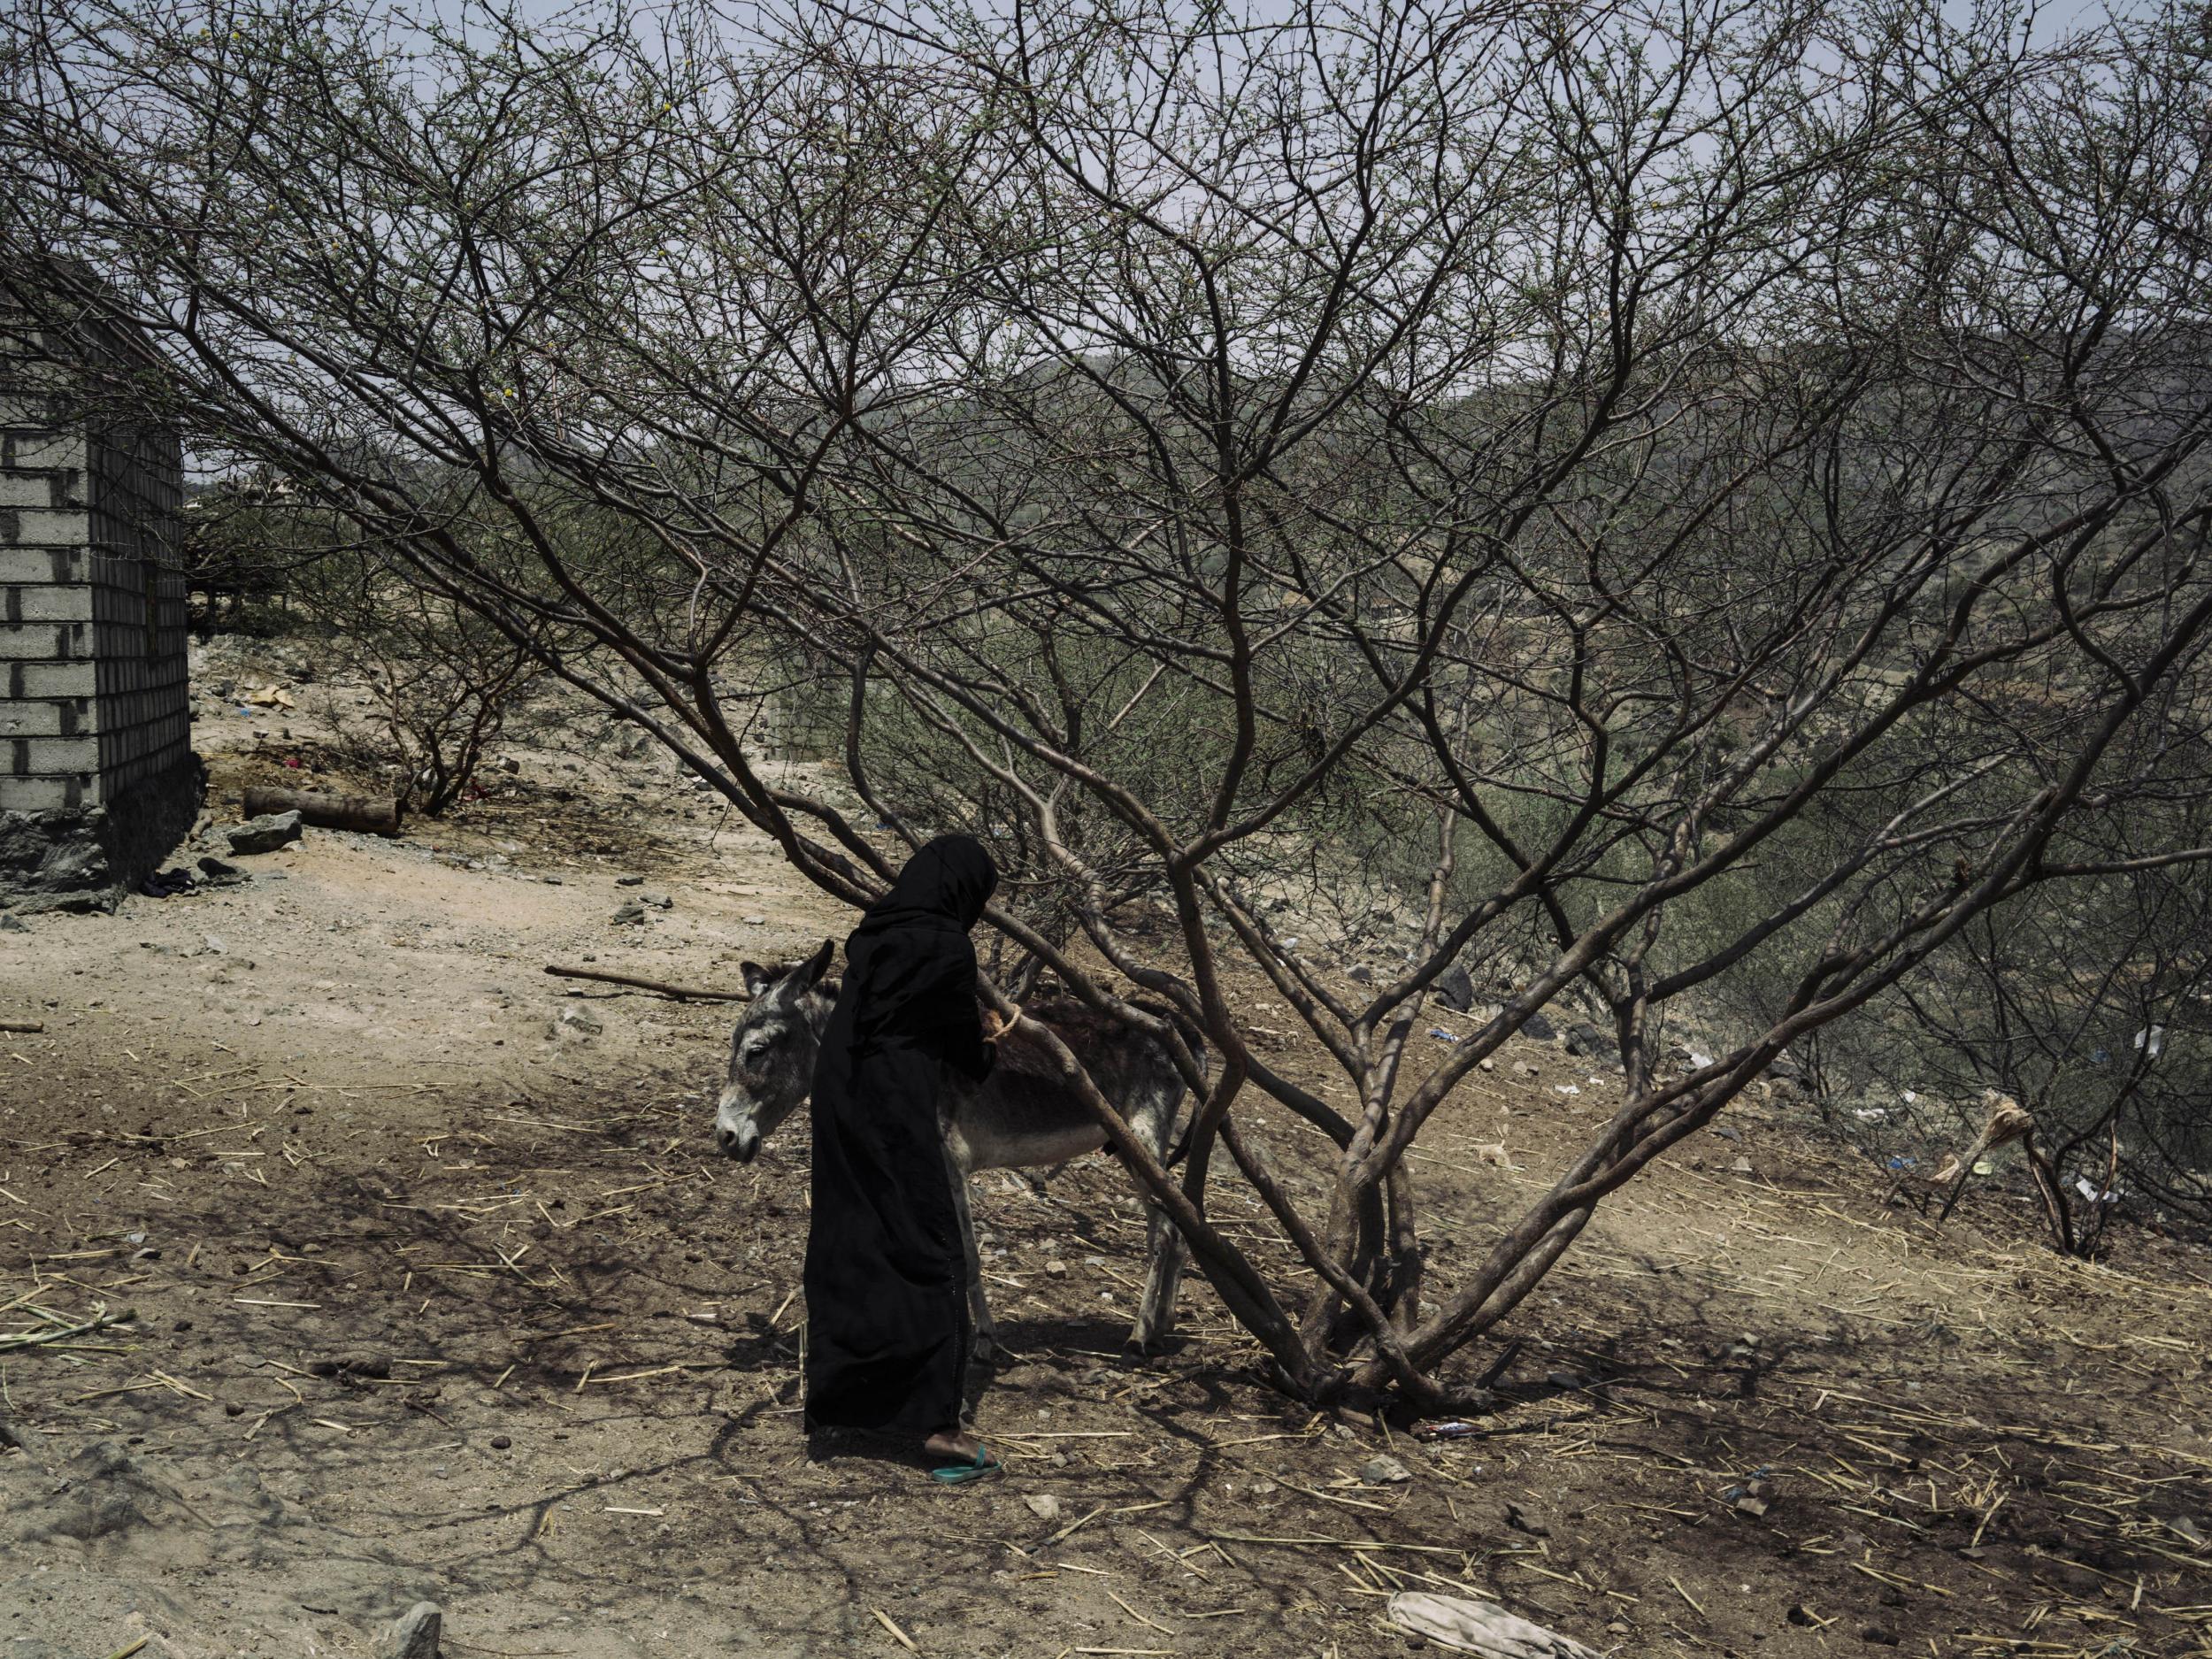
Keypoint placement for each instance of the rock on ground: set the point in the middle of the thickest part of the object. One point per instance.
(266, 833)
(414, 1634)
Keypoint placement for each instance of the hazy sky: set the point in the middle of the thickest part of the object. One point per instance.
(2053, 18)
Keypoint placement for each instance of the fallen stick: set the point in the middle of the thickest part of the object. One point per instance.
(680, 992)
(904, 1640)
(61, 1333)
(24, 1027)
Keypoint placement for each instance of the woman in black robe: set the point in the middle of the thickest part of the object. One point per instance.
(888, 1331)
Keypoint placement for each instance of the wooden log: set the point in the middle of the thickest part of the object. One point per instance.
(27, 1027)
(375, 814)
(682, 992)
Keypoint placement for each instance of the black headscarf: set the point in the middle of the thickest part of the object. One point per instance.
(909, 970)
(951, 878)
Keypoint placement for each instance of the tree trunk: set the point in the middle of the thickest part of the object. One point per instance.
(377, 814)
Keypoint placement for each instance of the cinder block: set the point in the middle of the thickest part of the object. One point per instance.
(51, 757)
(51, 680)
(46, 794)
(44, 717)
(48, 602)
(43, 641)
(42, 527)
(30, 411)
(43, 450)
(42, 564)
(28, 489)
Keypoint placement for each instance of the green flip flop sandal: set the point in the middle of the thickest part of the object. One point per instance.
(955, 1474)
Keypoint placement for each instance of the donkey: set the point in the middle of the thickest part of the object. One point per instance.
(1021, 1116)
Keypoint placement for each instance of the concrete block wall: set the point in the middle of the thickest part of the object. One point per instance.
(94, 708)
(48, 723)
(143, 701)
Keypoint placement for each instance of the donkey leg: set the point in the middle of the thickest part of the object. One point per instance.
(978, 1309)
(1164, 1247)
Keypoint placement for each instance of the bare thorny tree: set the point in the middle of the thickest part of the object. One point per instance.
(1709, 491)
(2089, 1010)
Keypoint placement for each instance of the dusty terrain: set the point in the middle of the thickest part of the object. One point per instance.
(440, 1293)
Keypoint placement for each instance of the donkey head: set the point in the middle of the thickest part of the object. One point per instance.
(771, 1053)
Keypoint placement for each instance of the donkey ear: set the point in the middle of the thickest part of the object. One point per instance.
(758, 979)
(817, 965)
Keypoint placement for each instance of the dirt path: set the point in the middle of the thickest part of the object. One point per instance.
(440, 1295)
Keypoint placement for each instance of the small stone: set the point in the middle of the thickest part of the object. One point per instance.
(550, 881)
(629, 881)
(1454, 989)
(9, 925)
(264, 835)
(1521, 1521)
(757, 921)
(1043, 1505)
(1585, 1040)
(500, 1443)
(1879, 1636)
(659, 901)
(232, 1408)
(580, 1021)
(1057, 1269)
(1741, 1166)
(1384, 1470)
(629, 915)
(1537, 1028)
(215, 869)
(1363, 975)
(508, 764)
(414, 1634)
(1487, 1063)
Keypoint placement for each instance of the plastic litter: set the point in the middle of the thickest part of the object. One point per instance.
(1483, 1627)
(1447, 1429)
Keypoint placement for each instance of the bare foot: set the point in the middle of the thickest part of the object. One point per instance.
(953, 1445)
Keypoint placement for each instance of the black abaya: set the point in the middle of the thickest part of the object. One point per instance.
(887, 1324)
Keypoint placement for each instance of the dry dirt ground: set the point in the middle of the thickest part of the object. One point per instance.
(441, 1295)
